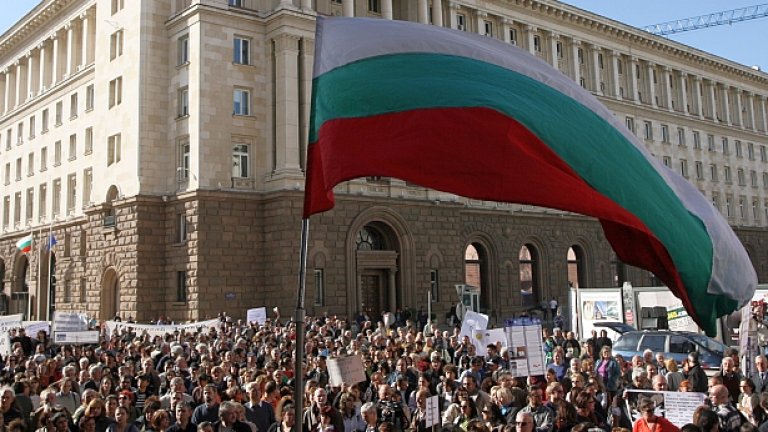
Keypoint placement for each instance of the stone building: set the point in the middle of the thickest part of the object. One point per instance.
(162, 144)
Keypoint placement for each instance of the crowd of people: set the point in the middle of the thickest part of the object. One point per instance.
(239, 377)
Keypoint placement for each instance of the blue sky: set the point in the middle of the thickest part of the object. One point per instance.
(738, 42)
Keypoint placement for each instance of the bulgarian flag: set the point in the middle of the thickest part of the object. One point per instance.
(474, 116)
(25, 244)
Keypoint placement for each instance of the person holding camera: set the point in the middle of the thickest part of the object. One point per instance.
(389, 410)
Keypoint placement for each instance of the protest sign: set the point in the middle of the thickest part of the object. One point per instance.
(257, 315)
(345, 370)
(677, 407)
(5, 344)
(32, 327)
(526, 351)
(161, 330)
(70, 321)
(482, 338)
(433, 411)
(472, 321)
(77, 337)
(9, 322)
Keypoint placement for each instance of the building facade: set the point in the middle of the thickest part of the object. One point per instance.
(162, 143)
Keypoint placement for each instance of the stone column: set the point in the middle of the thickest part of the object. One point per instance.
(56, 60)
(737, 96)
(423, 12)
(751, 110)
(697, 91)
(392, 291)
(506, 23)
(576, 70)
(7, 97)
(348, 6)
(667, 72)
(726, 102)
(615, 77)
(528, 33)
(480, 19)
(19, 89)
(3, 91)
(633, 79)
(386, 9)
(70, 28)
(594, 51)
(650, 67)
(31, 91)
(712, 100)
(286, 103)
(683, 93)
(42, 84)
(763, 115)
(306, 4)
(84, 42)
(552, 43)
(437, 13)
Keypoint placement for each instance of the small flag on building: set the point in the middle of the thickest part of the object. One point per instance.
(51, 242)
(25, 244)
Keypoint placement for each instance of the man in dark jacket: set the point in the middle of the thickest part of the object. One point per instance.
(228, 419)
(695, 374)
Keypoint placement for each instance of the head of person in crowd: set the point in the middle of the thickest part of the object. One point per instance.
(659, 383)
(228, 413)
(718, 395)
(685, 386)
(708, 421)
(211, 395)
(161, 420)
(524, 422)
(95, 408)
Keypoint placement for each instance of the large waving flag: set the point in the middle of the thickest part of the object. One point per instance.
(24, 244)
(474, 116)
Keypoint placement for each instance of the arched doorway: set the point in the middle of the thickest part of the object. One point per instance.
(376, 254)
(20, 289)
(529, 275)
(476, 272)
(575, 257)
(110, 294)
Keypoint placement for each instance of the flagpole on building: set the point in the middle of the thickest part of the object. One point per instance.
(48, 285)
(39, 272)
(298, 374)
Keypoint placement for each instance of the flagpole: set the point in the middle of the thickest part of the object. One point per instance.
(48, 285)
(39, 273)
(298, 374)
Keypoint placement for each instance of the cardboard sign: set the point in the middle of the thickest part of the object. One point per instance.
(258, 315)
(433, 411)
(70, 322)
(159, 330)
(677, 407)
(9, 322)
(32, 327)
(82, 337)
(483, 338)
(345, 370)
(473, 321)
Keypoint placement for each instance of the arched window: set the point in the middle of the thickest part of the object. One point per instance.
(472, 266)
(529, 275)
(476, 273)
(575, 266)
(618, 271)
(369, 238)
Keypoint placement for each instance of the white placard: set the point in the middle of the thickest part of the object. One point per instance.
(536, 364)
(159, 330)
(81, 337)
(258, 315)
(677, 407)
(604, 304)
(526, 351)
(5, 344)
(9, 322)
(482, 338)
(32, 327)
(473, 321)
(70, 322)
(433, 411)
(347, 370)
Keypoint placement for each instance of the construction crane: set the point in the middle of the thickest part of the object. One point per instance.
(710, 20)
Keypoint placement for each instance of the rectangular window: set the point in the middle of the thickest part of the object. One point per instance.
(765, 180)
(117, 6)
(115, 91)
(319, 287)
(183, 101)
(72, 147)
(630, 122)
(740, 177)
(684, 168)
(559, 47)
(181, 227)
(30, 204)
(182, 48)
(741, 207)
(755, 211)
(374, 6)
(513, 36)
(763, 154)
(8, 145)
(116, 44)
(240, 161)
(580, 55)
(43, 158)
(90, 96)
(696, 140)
(236, 3)
(20, 133)
(753, 178)
(88, 141)
(711, 143)
(30, 164)
(727, 174)
(113, 149)
(699, 170)
(242, 102)
(681, 136)
(42, 201)
(434, 284)
(73, 106)
(619, 67)
(57, 153)
(181, 287)
(6, 211)
(17, 208)
(648, 129)
(59, 112)
(750, 151)
(56, 197)
(728, 206)
(739, 151)
(726, 147)
(537, 43)
(713, 172)
(18, 169)
(7, 173)
(242, 51)
(183, 160)
(488, 28)
(665, 134)
(44, 121)
(32, 127)
(600, 60)
(461, 22)
(87, 186)
(71, 193)
(667, 161)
